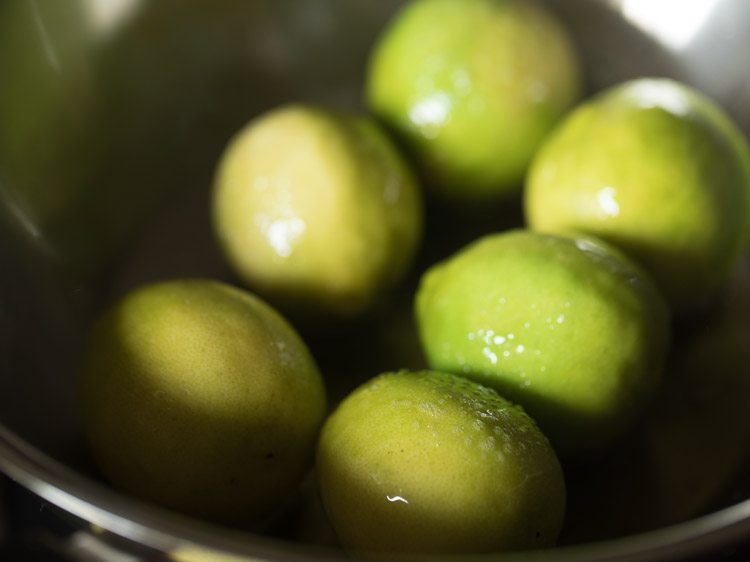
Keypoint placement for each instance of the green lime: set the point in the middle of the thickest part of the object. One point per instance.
(568, 329)
(657, 169)
(200, 397)
(316, 210)
(472, 87)
(428, 462)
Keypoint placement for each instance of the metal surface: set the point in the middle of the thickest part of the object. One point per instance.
(112, 116)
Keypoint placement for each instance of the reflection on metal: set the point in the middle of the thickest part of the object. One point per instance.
(85, 546)
(49, 48)
(673, 22)
(105, 16)
(11, 205)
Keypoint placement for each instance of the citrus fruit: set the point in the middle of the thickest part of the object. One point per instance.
(316, 210)
(565, 327)
(199, 397)
(657, 169)
(428, 462)
(472, 87)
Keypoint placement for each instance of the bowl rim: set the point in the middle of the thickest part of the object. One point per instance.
(144, 524)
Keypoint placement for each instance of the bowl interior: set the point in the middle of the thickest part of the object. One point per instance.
(112, 117)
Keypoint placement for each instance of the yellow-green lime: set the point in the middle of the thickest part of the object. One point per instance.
(316, 209)
(200, 397)
(428, 462)
(659, 170)
(472, 87)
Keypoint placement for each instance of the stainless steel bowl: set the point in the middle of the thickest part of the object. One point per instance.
(112, 116)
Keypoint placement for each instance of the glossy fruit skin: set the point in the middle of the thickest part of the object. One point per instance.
(657, 169)
(472, 87)
(573, 332)
(316, 210)
(201, 398)
(427, 462)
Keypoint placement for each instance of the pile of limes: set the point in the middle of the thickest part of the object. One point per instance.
(543, 342)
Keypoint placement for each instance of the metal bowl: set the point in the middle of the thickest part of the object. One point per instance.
(112, 116)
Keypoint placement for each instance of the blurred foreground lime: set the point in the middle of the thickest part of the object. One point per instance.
(316, 210)
(420, 462)
(568, 329)
(473, 86)
(200, 397)
(657, 169)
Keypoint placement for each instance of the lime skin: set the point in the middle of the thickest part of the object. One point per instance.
(316, 210)
(657, 169)
(428, 462)
(472, 87)
(566, 327)
(199, 397)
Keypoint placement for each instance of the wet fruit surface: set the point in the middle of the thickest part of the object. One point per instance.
(658, 170)
(565, 327)
(430, 462)
(472, 87)
(316, 210)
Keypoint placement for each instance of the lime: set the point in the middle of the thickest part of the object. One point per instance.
(657, 169)
(316, 210)
(427, 462)
(198, 396)
(568, 329)
(472, 87)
